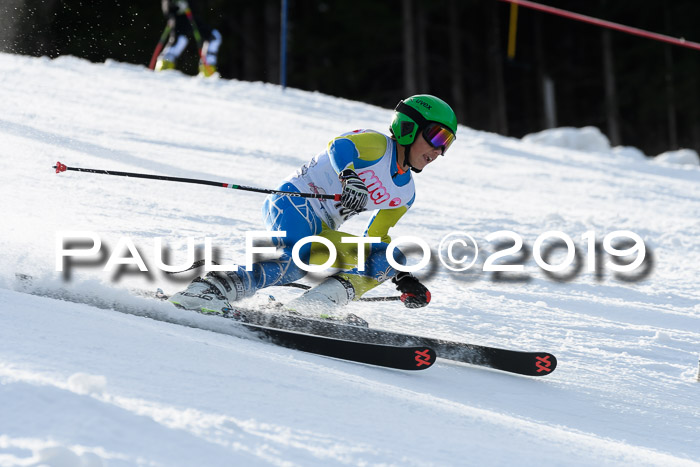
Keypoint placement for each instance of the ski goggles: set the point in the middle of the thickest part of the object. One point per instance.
(437, 136)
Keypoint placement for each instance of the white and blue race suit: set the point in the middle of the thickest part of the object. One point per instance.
(372, 155)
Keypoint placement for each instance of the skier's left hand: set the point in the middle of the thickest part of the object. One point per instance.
(413, 293)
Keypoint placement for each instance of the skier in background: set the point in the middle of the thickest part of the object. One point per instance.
(373, 173)
(183, 22)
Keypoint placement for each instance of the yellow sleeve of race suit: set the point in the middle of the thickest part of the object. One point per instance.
(382, 221)
(356, 150)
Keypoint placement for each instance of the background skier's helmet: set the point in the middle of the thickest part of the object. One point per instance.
(418, 113)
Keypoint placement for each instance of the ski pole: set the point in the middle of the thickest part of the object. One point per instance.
(196, 34)
(62, 168)
(390, 298)
(161, 43)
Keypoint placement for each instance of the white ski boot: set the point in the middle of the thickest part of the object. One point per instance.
(325, 299)
(213, 293)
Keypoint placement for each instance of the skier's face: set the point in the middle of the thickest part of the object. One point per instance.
(422, 153)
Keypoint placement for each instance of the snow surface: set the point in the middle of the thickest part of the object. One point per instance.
(84, 384)
(588, 138)
(681, 157)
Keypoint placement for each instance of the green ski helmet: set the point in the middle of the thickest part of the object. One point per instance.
(417, 113)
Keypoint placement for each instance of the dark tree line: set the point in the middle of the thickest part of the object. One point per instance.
(564, 73)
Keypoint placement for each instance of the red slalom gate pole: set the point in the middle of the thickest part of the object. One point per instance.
(62, 168)
(606, 24)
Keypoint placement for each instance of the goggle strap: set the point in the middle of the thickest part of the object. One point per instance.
(412, 113)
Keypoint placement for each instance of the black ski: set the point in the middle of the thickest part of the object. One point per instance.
(356, 329)
(416, 357)
(409, 357)
(513, 361)
(355, 342)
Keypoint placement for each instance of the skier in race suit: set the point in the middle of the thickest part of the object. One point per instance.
(186, 18)
(374, 173)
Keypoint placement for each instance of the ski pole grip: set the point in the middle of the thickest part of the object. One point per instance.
(336, 197)
(60, 167)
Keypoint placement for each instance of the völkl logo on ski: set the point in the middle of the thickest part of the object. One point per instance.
(423, 357)
(543, 364)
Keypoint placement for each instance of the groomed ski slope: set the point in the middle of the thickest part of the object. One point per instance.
(83, 384)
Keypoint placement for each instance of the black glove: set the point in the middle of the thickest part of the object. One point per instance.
(355, 194)
(413, 293)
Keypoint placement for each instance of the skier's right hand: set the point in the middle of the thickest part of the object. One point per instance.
(413, 293)
(355, 194)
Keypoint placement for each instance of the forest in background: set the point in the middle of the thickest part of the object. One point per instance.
(639, 92)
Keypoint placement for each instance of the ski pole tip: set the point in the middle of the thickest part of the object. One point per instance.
(60, 167)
